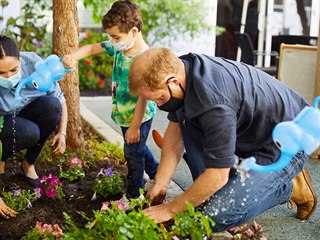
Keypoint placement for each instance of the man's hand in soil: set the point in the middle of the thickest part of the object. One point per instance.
(156, 193)
(5, 211)
(160, 213)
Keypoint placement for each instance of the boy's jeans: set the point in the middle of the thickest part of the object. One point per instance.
(238, 202)
(33, 125)
(139, 159)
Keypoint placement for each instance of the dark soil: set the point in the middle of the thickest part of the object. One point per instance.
(77, 195)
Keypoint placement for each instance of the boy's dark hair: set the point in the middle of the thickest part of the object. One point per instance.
(124, 14)
(8, 47)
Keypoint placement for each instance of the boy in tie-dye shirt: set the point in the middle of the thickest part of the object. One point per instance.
(134, 115)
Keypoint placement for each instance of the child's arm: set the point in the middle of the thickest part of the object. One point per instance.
(133, 132)
(71, 60)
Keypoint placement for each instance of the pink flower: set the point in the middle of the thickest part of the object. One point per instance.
(38, 225)
(105, 205)
(57, 231)
(85, 35)
(45, 228)
(121, 205)
(44, 179)
(75, 161)
(53, 180)
(51, 192)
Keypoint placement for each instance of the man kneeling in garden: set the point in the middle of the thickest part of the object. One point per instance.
(218, 109)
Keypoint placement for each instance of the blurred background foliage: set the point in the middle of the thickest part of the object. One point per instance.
(30, 28)
(163, 19)
(95, 71)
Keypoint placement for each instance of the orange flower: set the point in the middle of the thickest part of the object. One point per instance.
(89, 74)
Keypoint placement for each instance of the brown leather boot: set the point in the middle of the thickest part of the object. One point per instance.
(303, 195)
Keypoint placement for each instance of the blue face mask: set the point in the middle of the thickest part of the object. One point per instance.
(10, 82)
(122, 46)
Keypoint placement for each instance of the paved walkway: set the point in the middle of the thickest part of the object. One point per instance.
(279, 221)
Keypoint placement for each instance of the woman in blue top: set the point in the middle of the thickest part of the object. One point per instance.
(30, 121)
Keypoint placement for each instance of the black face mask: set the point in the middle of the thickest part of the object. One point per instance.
(174, 103)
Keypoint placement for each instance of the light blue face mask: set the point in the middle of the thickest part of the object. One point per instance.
(10, 82)
(122, 46)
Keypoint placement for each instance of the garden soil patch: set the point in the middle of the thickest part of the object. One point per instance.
(77, 196)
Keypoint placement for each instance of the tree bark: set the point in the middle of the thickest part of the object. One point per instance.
(65, 41)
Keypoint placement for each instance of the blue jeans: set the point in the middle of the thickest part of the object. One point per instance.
(139, 159)
(33, 125)
(238, 202)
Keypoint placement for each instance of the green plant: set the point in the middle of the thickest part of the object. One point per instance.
(106, 149)
(192, 224)
(114, 223)
(140, 202)
(111, 222)
(95, 71)
(19, 200)
(162, 18)
(44, 231)
(75, 170)
(30, 28)
(108, 183)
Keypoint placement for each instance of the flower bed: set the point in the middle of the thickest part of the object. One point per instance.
(62, 206)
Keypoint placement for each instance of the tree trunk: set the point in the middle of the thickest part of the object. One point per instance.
(65, 41)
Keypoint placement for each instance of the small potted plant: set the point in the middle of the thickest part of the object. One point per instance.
(19, 199)
(107, 184)
(51, 186)
(75, 170)
(44, 231)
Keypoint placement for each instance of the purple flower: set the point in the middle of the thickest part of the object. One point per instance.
(108, 172)
(38, 192)
(105, 171)
(16, 193)
(29, 204)
(100, 172)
